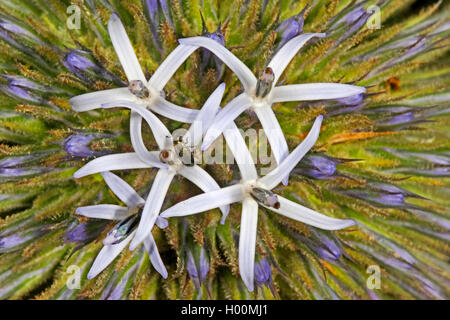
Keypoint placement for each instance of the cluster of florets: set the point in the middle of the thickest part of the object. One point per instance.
(181, 155)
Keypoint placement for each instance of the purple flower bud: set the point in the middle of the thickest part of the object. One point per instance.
(263, 272)
(165, 10)
(18, 172)
(329, 251)
(14, 28)
(207, 58)
(22, 88)
(433, 172)
(435, 158)
(13, 161)
(117, 287)
(14, 167)
(14, 241)
(76, 61)
(389, 188)
(389, 199)
(430, 287)
(403, 118)
(154, 10)
(84, 233)
(316, 167)
(382, 195)
(20, 93)
(83, 65)
(319, 166)
(198, 266)
(77, 234)
(78, 145)
(263, 275)
(291, 27)
(353, 15)
(353, 20)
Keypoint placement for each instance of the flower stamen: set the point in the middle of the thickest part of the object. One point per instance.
(265, 197)
(138, 88)
(122, 230)
(264, 84)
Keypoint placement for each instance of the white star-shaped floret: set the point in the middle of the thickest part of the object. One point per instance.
(118, 238)
(140, 92)
(168, 156)
(260, 94)
(253, 190)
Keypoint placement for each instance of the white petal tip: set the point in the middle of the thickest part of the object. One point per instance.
(249, 287)
(224, 217)
(285, 181)
(77, 174)
(343, 224)
(72, 102)
(183, 41)
(113, 17)
(350, 223)
(162, 223)
(91, 276)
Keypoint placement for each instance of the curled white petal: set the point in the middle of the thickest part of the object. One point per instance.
(158, 128)
(161, 223)
(276, 175)
(136, 137)
(106, 256)
(153, 254)
(173, 112)
(205, 182)
(205, 201)
(224, 117)
(104, 211)
(94, 100)
(300, 213)
(314, 91)
(247, 242)
(239, 149)
(153, 205)
(124, 49)
(119, 161)
(205, 116)
(274, 134)
(122, 190)
(170, 65)
(237, 66)
(282, 58)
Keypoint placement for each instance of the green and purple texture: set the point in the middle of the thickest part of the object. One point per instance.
(382, 158)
